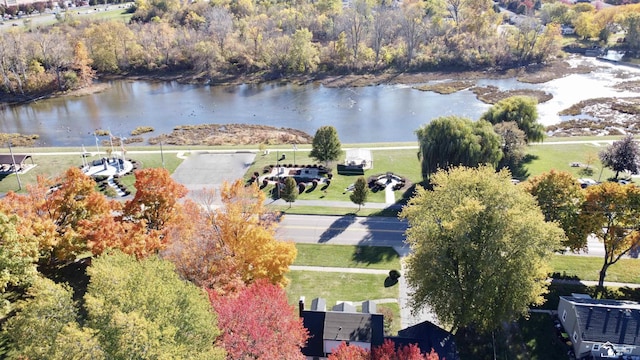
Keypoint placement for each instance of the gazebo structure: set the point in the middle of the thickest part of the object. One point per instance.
(15, 163)
(359, 158)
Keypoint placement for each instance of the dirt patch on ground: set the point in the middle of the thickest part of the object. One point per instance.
(232, 134)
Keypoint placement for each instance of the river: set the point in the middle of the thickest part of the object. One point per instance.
(383, 113)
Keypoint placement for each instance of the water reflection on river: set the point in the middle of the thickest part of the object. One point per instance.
(367, 114)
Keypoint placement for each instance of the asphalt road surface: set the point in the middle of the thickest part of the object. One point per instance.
(344, 230)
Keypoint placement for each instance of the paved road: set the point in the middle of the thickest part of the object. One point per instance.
(344, 230)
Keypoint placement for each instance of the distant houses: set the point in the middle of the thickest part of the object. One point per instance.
(599, 328)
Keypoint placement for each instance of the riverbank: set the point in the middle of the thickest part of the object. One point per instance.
(279, 103)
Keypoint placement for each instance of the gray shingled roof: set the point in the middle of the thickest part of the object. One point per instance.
(342, 326)
(609, 321)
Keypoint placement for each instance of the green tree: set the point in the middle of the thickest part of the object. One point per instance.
(521, 109)
(143, 309)
(513, 145)
(560, 198)
(289, 191)
(33, 331)
(610, 212)
(360, 192)
(479, 248)
(326, 145)
(18, 258)
(453, 141)
(622, 155)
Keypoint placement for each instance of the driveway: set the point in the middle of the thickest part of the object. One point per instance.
(203, 170)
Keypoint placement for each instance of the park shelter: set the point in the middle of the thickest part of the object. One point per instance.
(12, 163)
(359, 158)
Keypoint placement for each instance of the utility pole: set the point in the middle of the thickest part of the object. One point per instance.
(14, 167)
(295, 147)
(161, 152)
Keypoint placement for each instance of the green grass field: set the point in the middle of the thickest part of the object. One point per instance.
(347, 256)
(335, 286)
(51, 166)
(588, 268)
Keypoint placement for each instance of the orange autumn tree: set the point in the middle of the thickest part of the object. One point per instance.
(156, 199)
(610, 212)
(248, 230)
(55, 214)
(223, 248)
(198, 252)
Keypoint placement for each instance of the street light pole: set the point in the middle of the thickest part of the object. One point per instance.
(295, 147)
(161, 152)
(14, 167)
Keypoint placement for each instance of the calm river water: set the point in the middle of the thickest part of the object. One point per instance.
(383, 113)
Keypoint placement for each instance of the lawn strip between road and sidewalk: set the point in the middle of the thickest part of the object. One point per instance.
(329, 210)
(348, 256)
(588, 268)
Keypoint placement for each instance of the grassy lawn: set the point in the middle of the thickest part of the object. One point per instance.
(347, 256)
(588, 268)
(560, 157)
(334, 287)
(401, 162)
(323, 210)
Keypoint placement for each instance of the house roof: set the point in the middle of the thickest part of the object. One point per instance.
(429, 336)
(602, 320)
(342, 326)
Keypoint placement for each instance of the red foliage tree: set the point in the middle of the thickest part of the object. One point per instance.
(258, 323)
(349, 352)
(386, 351)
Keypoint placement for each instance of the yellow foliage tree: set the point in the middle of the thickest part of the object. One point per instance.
(247, 229)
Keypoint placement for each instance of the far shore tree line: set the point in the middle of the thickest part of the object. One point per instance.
(219, 40)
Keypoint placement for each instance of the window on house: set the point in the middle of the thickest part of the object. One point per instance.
(564, 315)
(596, 346)
(575, 336)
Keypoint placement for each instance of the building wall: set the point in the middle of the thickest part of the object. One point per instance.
(569, 321)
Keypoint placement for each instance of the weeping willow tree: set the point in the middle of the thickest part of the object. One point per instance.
(455, 141)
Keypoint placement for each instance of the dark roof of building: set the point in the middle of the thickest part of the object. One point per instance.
(7, 159)
(356, 327)
(602, 324)
(342, 326)
(602, 320)
(429, 336)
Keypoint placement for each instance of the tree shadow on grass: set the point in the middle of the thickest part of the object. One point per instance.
(337, 228)
(373, 254)
(389, 281)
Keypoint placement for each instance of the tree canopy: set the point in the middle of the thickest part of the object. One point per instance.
(560, 198)
(134, 309)
(622, 155)
(479, 248)
(520, 109)
(454, 141)
(258, 323)
(610, 212)
(360, 192)
(289, 190)
(326, 145)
